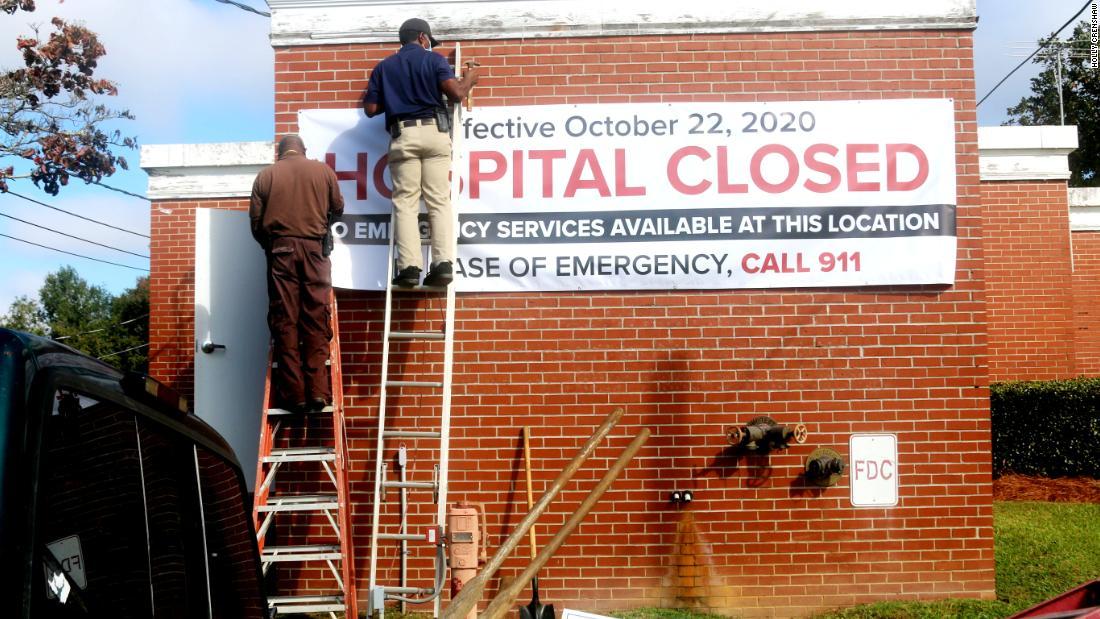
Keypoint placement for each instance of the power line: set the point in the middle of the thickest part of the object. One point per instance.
(1005, 78)
(126, 266)
(245, 7)
(124, 322)
(119, 352)
(122, 191)
(73, 236)
(95, 221)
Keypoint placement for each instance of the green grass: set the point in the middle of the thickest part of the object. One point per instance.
(662, 613)
(970, 609)
(1042, 549)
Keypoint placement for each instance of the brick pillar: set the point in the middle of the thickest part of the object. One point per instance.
(1029, 278)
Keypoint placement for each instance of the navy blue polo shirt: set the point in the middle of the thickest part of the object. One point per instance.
(407, 83)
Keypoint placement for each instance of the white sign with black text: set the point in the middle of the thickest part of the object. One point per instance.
(665, 196)
(874, 470)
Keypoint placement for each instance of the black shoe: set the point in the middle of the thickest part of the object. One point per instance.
(408, 277)
(317, 405)
(440, 275)
(300, 407)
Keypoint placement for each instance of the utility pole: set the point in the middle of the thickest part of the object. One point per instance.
(1059, 50)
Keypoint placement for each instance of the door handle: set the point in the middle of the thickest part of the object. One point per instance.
(209, 347)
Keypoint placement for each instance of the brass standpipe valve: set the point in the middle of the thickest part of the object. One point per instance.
(765, 434)
(824, 467)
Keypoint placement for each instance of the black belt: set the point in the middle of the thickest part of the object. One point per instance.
(412, 122)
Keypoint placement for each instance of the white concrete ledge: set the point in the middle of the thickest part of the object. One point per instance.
(1026, 153)
(1084, 209)
(312, 22)
(190, 171)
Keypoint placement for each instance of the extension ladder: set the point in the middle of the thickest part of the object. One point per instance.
(380, 592)
(329, 451)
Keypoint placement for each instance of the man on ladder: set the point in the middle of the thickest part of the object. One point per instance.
(408, 87)
(292, 204)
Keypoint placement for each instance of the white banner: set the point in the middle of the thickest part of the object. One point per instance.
(667, 196)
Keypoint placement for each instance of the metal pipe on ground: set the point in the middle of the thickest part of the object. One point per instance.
(502, 603)
(471, 591)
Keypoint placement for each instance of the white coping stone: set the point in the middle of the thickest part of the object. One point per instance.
(312, 22)
(1084, 209)
(1025, 153)
(190, 171)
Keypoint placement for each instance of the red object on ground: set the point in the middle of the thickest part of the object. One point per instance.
(1080, 603)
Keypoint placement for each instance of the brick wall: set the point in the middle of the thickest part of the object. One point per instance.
(1086, 301)
(1029, 280)
(757, 540)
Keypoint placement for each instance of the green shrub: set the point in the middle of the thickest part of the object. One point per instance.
(1048, 428)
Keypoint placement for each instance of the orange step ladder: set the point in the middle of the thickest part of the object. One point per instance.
(327, 452)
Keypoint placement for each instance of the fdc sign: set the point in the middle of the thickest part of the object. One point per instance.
(874, 470)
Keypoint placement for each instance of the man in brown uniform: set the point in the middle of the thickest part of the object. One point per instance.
(292, 201)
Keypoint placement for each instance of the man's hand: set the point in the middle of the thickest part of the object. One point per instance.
(473, 71)
(456, 90)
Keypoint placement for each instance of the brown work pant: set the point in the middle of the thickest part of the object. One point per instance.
(299, 286)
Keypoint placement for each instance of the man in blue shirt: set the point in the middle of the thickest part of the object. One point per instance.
(409, 87)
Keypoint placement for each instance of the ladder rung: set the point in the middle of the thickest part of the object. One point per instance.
(414, 485)
(300, 553)
(412, 383)
(302, 454)
(411, 434)
(413, 590)
(306, 603)
(397, 537)
(282, 411)
(417, 335)
(299, 503)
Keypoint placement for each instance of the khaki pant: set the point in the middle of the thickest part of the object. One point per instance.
(420, 166)
(299, 286)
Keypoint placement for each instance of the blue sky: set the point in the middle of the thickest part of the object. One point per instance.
(197, 71)
(191, 71)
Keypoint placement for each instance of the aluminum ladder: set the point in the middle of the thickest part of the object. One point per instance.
(330, 452)
(399, 532)
(379, 591)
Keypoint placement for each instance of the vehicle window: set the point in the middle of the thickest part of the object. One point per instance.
(91, 512)
(235, 586)
(176, 548)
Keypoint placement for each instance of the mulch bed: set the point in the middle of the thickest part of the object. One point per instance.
(1061, 489)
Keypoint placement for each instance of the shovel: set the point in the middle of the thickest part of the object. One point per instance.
(534, 610)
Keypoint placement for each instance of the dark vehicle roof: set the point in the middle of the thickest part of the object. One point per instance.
(45, 354)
